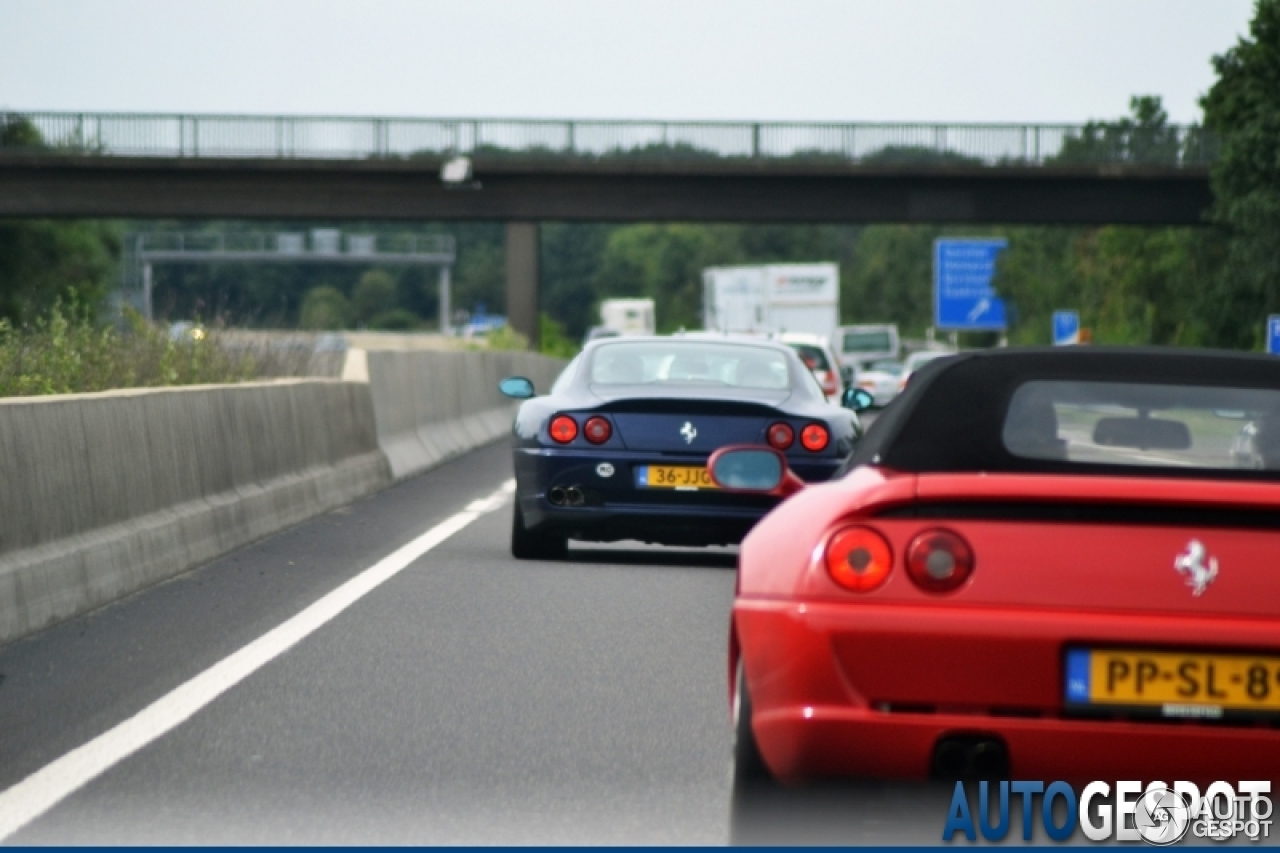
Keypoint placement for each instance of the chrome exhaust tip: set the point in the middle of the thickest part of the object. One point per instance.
(556, 496)
(573, 496)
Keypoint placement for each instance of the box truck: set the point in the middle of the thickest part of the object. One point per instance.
(624, 317)
(772, 299)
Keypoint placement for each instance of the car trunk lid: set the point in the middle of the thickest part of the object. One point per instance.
(686, 425)
(1162, 545)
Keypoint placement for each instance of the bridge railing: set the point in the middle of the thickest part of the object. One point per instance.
(314, 137)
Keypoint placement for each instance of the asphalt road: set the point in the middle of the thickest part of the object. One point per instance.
(468, 699)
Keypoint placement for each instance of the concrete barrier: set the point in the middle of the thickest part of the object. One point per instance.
(431, 406)
(104, 494)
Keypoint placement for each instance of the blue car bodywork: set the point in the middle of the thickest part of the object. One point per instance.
(601, 491)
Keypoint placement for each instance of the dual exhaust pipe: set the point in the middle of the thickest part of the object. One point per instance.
(973, 757)
(566, 496)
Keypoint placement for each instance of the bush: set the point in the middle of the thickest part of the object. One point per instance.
(65, 352)
(506, 338)
(396, 320)
(553, 341)
(325, 309)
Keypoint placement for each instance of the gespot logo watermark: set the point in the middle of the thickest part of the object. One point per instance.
(1157, 813)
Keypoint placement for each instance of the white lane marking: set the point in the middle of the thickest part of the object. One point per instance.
(45, 788)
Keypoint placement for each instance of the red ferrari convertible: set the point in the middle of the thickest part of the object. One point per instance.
(1041, 564)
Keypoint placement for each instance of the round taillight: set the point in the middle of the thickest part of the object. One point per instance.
(814, 437)
(939, 560)
(780, 436)
(564, 429)
(859, 559)
(597, 430)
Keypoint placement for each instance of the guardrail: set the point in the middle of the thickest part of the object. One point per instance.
(318, 137)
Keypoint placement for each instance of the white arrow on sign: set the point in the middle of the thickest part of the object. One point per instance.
(979, 309)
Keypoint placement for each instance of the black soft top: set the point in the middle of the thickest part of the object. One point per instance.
(951, 416)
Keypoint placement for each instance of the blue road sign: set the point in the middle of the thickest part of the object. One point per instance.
(1273, 334)
(1066, 328)
(963, 299)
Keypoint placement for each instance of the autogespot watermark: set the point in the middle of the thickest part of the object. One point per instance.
(1158, 813)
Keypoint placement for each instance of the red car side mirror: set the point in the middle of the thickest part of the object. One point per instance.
(753, 469)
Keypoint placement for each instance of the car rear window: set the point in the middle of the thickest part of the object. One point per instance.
(893, 368)
(867, 342)
(1170, 426)
(813, 357)
(689, 363)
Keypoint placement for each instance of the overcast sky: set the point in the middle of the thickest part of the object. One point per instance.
(842, 60)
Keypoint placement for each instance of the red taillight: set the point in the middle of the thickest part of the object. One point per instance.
(814, 437)
(564, 429)
(597, 430)
(781, 436)
(859, 559)
(827, 380)
(939, 560)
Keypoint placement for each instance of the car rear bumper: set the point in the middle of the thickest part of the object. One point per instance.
(613, 507)
(872, 690)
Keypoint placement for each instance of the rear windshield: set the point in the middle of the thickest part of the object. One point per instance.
(867, 342)
(1117, 423)
(893, 368)
(813, 357)
(689, 363)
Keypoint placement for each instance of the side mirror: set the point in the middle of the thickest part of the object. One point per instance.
(751, 468)
(858, 399)
(517, 387)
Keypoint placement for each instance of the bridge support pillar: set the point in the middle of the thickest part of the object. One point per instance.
(522, 279)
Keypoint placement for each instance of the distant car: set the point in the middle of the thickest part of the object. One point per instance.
(865, 343)
(882, 379)
(618, 448)
(818, 356)
(917, 360)
(186, 331)
(479, 327)
(596, 333)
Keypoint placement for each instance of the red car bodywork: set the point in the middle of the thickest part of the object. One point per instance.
(867, 684)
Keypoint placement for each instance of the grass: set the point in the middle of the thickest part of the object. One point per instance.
(67, 352)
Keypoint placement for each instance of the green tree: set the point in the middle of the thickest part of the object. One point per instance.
(552, 339)
(18, 132)
(1243, 109)
(43, 261)
(325, 308)
(375, 294)
(1143, 137)
(664, 262)
(891, 277)
(1130, 285)
(570, 257)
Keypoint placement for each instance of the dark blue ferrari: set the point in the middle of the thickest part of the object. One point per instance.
(618, 448)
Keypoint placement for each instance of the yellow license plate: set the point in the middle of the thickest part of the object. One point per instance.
(1178, 684)
(682, 477)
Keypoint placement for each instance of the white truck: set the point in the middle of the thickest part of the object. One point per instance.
(774, 298)
(628, 316)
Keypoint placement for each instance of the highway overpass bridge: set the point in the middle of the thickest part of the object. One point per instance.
(524, 172)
